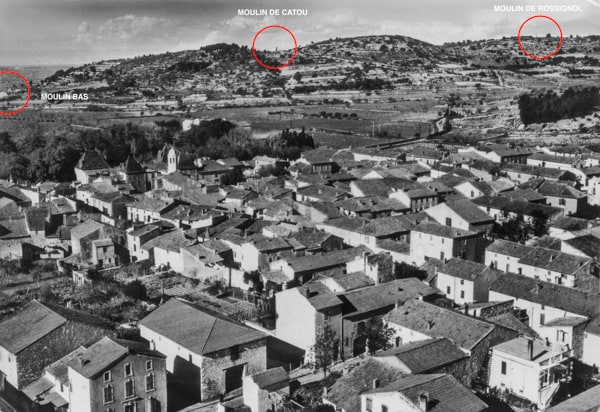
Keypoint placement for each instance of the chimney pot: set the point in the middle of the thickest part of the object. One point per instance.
(423, 401)
(530, 348)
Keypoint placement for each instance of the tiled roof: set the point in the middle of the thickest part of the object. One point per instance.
(271, 379)
(39, 321)
(105, 353)
(445, 393)
(571, 223)
(509, 248)
(436, 229)
(426, 356)
(509, 321)
(86, 228)
(92, 160)
(319, 295)
(517, 206)
(466, 269)
(325, 260)
(518, 347)
(197, 330)
(385, 294)
(171, 241)
(587, 401)
(348, 281)
(555, 189)
(549, 294)
(60, 370)
(132, 166)
(432, 320)
(36, 218)
(13, 229)
(345, 392)
(554, 260)
(151, 204)
(468, 211)
(113, 197)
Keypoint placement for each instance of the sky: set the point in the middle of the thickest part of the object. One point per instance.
(67, 32)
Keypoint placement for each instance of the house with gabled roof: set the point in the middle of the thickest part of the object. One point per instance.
(41, 333)
(423, 393)
(417, 320)
(549, 305)
(464, 281)
(117, 372)
(206, 352)
(462, 214)
(91, 165)
(433, 240)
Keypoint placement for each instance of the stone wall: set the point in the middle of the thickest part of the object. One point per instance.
(253, 354)
(54, 346)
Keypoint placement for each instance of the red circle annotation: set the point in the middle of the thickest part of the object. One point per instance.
(275, 26)
(548, 56)
(20, 76)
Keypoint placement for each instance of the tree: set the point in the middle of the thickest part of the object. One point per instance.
(403, 270)
(325, 349)
(377, 335)
(539, 226)
(514, 230)
(135, 290)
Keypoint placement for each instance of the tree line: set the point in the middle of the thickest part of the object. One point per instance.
(37, 155)
(549, 106)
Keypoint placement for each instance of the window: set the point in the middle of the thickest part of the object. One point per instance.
(128, 369)
(234, 352)
(152, 405)
(384, 408)
(442, 256)
(149, 365)
(131, 407)
(129, 388)
(448, 221)
(448, 290)
(150, 382)
(520, 271)
(325, 316)
(398, 341)
(462, 281)
(462, 294)
(503, 368)
(109, 394)
(542, 319)
(107, 376)
(562, 202)
(472, 194)
(369, 404)
(109, 410)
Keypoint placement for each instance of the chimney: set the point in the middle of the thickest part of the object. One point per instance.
(307, 292)
(245, 370)
(530, 348)
(375, 383)
(325, 392)
(397, 305)
(423, 401)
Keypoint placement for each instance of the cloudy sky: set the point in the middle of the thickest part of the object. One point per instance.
(78, 31)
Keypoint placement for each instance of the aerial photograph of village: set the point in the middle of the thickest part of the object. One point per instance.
(310, 206)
